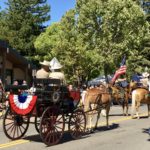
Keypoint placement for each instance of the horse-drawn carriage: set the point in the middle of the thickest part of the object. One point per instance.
(51, 104)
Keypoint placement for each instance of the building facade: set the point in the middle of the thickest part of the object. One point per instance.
(13, 66)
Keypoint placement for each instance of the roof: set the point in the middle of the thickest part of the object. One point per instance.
(14, 56)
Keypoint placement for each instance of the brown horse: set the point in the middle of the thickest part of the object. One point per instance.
(140, 95)
(101, 99)
(121, 96)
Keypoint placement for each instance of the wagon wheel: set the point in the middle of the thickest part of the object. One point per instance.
(52, 126)
(77, 124)
(15, 126)
(37, 123)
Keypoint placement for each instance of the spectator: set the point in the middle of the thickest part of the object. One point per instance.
(83, 94)
(24, 82)
(15, 82)
(70, 87)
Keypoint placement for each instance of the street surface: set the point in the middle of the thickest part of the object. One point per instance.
(124, 134)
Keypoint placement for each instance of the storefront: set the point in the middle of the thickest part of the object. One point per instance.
(13, 66)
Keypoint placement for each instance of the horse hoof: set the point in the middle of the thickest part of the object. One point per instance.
(89, 131)
(92, 131)
(95, 128)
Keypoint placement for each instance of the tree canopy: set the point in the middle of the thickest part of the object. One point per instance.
(23, 22)
(89, 40)
(93, 38)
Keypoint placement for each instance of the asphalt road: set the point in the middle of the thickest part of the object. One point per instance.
(124, 134)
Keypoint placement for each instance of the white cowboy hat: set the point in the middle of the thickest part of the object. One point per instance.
(145, 74)
(45, 63)
(54, 64)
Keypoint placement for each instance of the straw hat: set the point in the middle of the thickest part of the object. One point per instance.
(45, 63)
(145, 74)
(55, 64)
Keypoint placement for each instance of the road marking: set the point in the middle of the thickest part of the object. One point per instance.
(16, 142)
(13, 143)
(117, 120)
(121, 119)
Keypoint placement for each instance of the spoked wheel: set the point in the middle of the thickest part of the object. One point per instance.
(52, 126)
(15, 126)
(37, 123)
(77, 124)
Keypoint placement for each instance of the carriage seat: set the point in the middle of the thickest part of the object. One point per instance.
(16, 89)
(46, 82)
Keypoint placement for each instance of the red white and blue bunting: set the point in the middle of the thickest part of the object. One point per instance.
(22, 104)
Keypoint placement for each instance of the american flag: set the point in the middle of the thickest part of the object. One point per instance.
(121, 70)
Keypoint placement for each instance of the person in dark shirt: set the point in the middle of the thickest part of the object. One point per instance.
(136, 78)
(122, 81)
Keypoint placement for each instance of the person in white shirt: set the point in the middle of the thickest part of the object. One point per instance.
(83, 94)
(149, 83)
(144, 79)
(56, 73)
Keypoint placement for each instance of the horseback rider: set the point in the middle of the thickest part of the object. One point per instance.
(136, 78)
(121, 81)
(149, 83)
(144, 80)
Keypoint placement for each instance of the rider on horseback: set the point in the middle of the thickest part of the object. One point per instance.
(122, 81)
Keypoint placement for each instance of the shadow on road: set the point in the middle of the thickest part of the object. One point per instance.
(147, 131)
(67, 137)
(104, 128)
(119, 115)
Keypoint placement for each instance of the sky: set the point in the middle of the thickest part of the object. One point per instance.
(58, 8)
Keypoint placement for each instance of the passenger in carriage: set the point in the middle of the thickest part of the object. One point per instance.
(56, 73)
(44, 71)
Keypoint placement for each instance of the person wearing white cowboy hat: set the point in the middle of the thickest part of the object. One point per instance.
(44, 71)
(55, 67)
(144, 80)
(145, 74)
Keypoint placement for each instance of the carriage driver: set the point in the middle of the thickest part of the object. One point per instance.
(44, 71)
(56, 73)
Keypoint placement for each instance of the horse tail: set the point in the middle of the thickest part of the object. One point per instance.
(133, 103)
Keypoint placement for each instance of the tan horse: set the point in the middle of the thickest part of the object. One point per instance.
(140, 95)
(101, 99)
(121, 96)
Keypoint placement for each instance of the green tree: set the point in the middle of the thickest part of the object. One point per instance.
(24, 22)
(46, 43)
(113, 28)
(92, 39)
